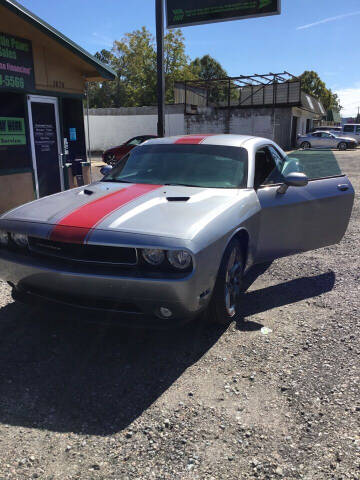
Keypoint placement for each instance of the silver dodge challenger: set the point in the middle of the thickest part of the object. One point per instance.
(170, 231)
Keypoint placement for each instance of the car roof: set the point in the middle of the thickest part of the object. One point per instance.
(210, 139)
(321, 131)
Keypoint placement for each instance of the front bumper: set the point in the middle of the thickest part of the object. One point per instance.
(127, 299)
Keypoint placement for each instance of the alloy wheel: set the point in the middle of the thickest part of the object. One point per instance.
(233, 282)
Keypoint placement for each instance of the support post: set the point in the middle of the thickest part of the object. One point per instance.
(160, 67)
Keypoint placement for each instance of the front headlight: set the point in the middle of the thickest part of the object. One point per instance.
(4, 237)
(153, 256)
(20, 239)
(180, 259)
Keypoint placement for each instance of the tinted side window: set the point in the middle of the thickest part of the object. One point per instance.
(349, 128)
(268, 167)
(357, 128)
(315, 164)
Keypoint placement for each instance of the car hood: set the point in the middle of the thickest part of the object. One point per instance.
(168, 211)
(348, 139)
(115, 149)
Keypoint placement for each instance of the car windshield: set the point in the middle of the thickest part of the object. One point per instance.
(134, 141)
(209, 166)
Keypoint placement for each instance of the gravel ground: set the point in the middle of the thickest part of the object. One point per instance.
(89, 402)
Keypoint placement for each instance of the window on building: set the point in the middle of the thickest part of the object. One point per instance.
(15, 153)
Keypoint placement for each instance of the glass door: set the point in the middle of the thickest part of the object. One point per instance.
(45, 144)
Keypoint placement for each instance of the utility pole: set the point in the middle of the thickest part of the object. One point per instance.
(160, 66)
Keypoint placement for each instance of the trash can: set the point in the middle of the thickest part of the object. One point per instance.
(77, 171)
(86, 172)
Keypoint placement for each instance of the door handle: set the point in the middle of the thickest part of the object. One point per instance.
(343, 187)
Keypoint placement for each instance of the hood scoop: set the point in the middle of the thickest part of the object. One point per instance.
(177, 199)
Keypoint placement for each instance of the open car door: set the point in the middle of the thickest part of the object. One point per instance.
(307, 217)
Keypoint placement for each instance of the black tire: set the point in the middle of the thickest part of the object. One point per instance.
(225, 302)
(305, 145)
(342, 146)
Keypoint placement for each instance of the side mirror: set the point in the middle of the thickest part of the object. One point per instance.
(105, 170)
(294, 179)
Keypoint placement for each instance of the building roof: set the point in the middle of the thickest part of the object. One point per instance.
(308, 102)
(104, 71)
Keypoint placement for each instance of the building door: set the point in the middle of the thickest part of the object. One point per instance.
(45, 144)
(74, 133)
(294, 125)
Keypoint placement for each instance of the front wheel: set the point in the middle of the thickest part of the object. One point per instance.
(342, 146)
(225, 301)
(305, 145)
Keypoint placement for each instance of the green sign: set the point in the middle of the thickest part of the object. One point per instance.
(12, 131)
(182, 13)
(16, 63)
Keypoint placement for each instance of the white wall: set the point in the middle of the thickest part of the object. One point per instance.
(111, 130)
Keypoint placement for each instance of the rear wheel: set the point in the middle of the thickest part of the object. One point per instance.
(305, 145)
(342, 146)
(225, 302)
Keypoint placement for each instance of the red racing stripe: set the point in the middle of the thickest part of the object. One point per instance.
(192, 139)
(75, 227)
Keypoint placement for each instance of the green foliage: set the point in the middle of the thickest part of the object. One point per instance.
(134, 60)
(313, 85)
(207, 68)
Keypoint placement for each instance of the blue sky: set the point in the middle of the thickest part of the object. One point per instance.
(319, 35)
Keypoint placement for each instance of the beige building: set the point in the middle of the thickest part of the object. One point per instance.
(43, 78)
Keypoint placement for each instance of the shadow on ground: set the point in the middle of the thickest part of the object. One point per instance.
(63, 375)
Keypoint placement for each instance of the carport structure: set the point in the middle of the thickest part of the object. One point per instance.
(271, 105)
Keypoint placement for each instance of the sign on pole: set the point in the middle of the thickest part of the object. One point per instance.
(183, 13)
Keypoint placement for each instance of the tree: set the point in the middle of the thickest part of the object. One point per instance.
(101, 93)
(312, 84)
(176, 62)
(207, 68)
(134, 60)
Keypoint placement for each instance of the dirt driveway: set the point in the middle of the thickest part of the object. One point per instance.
(88, 402)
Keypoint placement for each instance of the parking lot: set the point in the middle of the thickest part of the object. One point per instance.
(81, 401)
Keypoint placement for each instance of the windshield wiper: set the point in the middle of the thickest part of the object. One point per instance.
(179, 185)
(117, 181)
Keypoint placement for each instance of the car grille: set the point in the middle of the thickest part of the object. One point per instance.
(80, 301)
(99, 254)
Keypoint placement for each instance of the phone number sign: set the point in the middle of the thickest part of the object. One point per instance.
(182, 13)
(16, 63)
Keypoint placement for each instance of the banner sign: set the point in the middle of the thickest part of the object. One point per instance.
(182, 13)
(12, 131)
(16, 63)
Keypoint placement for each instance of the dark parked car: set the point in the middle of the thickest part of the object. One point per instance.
(114, 154)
